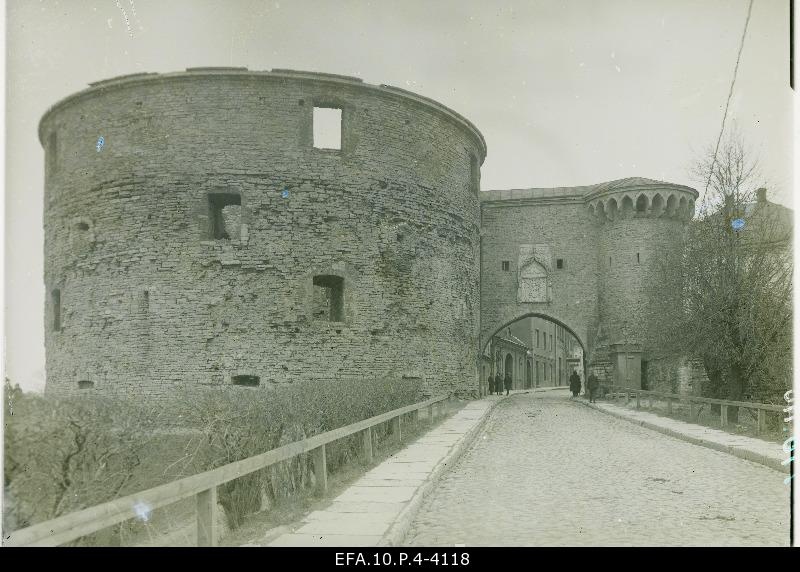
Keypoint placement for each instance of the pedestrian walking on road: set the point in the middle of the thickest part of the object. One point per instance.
(498, 383)
(507, 382)
(592, 384)
(490, 384)
(575, 383)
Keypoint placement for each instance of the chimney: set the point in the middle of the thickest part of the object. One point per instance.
(762, 195)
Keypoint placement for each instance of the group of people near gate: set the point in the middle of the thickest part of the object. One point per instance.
(497, 383)
(591, 385)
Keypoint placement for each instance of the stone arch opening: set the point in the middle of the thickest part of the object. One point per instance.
(485, 344)
(641, 204)
(627, 206)
(672, 204)
(657, 205)
(611, 211)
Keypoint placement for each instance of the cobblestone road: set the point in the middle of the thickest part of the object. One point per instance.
(546, 471)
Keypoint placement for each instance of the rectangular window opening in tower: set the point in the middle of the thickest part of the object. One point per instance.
(56, 299)
(224, 215)
(559, 263)
(327, 128)
(328, 298)
(506, 265)
(637, 258)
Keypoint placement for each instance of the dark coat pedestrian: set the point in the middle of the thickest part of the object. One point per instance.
(490, 384)
(575, 384)
(592, 385)
(498, 383)
(507, 382)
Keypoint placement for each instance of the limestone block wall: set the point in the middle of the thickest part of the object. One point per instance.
(141, 296)
(560, 221)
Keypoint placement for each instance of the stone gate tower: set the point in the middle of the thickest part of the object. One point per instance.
(581, 257)
(636, 222)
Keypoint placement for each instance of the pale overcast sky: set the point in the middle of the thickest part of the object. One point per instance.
(566, 92)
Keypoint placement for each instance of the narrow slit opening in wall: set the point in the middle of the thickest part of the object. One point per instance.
(85, 384)
(329, 298)
(506, 265)
(327, 128)
(246, 380)
(225, 215)
(637, 258)
(56, 300)
(145, 306)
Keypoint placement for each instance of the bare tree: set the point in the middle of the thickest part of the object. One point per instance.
(734, 274)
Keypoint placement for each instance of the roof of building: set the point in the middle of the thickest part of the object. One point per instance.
(628, 184)
(508, 337)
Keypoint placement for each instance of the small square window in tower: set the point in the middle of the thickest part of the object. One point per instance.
(506, 265)
(224, 215)
(327, 128)
(560, 263)
(328, 298)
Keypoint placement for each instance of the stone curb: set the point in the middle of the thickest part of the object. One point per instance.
(399, 528)
(745, 454)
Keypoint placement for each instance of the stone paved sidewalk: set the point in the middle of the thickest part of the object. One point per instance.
(377, 509)
(760, 451)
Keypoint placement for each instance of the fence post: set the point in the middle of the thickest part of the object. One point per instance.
(207, 517)
(723, 415)
(627, 397)
(761, 425)
(669, 406)
(638, 400)
(320, 468)
(368, 444)
(396, 428)
(430, 412)
(691, 410)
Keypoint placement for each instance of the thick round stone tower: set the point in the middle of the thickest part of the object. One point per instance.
(637, 221)
(197, 232)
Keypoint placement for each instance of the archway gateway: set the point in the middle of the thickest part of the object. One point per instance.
(528, 370)
(581, 257)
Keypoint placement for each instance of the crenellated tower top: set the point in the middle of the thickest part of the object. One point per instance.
(637, 197)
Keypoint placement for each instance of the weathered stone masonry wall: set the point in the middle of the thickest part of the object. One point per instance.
(150, 301)
(563, 224)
